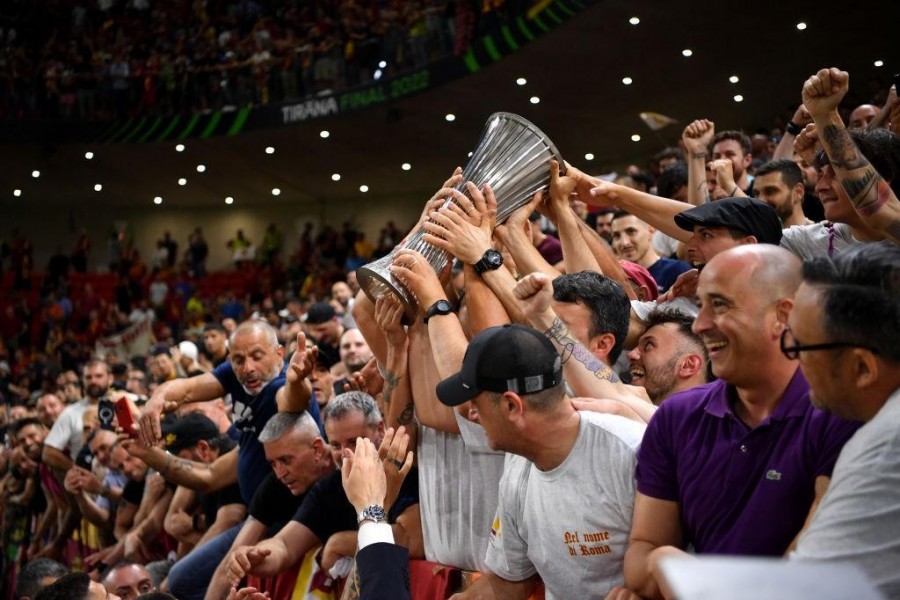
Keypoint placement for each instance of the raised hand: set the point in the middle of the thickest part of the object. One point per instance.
(389, 317)
(534, 293)
(465, 235)
(823, 92)
(806, 143)
(724, 172)
(698, 135)
(303, 361)
(363, 475)
(397, 461)
(417, 276)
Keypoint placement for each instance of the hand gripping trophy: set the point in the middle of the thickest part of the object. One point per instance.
(513, 157)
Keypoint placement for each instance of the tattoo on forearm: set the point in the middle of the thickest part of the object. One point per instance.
(842, 152)
(406, 417)
(867, 190)
(391, 380)
(572, 348)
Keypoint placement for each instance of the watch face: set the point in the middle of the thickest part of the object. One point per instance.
(494, 258)
(443, 306)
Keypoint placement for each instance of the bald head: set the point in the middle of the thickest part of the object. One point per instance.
(255, 327)
(771, 271)
(862, 115)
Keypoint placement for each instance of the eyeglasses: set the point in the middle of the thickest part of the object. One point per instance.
(791, 348)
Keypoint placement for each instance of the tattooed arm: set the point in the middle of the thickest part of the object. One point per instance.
(396, 395)
(586, 374)
(198, 476)
(870, 195)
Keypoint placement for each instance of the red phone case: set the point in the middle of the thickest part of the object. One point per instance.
(125, 417)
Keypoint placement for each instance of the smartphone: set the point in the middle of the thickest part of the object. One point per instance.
(106, 415)
(125, 417)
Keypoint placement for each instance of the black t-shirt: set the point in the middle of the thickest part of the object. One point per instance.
(212, 502)
(326, 509)
(274, 504)
(133, 492)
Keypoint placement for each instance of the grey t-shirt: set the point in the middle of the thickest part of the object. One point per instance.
(458, 481)
(571, 524)
(810, 241)
(858, 520)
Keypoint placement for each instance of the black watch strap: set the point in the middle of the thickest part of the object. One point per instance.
(491, 260)
(441, 307)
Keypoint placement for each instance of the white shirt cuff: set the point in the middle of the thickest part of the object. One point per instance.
(373, 533)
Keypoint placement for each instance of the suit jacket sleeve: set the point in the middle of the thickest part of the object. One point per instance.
(383, 572)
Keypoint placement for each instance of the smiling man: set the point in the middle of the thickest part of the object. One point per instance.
(632, 240)
(669, 357)
(752, 436)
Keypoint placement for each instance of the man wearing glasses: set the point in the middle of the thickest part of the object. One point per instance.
(844, 331)
(734, 466)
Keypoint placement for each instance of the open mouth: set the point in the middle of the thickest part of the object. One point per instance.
(637, 373)
(713, 348)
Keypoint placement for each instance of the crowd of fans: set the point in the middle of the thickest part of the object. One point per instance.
(116, 58)
(609, 379)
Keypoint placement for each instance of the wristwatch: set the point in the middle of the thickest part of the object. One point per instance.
(491, 260)
(373, 513)
(441, 307)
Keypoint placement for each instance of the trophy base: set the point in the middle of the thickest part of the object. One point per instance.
(377, 284)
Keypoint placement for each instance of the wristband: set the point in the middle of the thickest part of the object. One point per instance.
(734, 191)
(793, 129)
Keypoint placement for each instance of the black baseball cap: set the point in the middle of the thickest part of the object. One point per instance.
(320, 312)
(748, 215)
(499, 359)
(186, 431)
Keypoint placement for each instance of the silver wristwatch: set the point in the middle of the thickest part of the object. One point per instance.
(373, 513)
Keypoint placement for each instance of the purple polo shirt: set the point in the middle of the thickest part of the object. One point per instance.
(740, 491)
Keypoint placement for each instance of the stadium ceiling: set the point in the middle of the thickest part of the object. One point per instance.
(576, 71)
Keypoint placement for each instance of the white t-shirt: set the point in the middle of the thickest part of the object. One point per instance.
(66, 433)
(858, 520)
(810, 241)
(458, 481)
(571, 524)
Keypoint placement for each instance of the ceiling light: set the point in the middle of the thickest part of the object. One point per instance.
(634, 20)
(406, 166)
(276, 192)
(35, 174)
(687, 52)
(738, 98)
(201, 168)
(17, 193)
(324, 134)
(450, 117)
(98, 187)
(89, 155)
(801, 25)
(377, 74)
(627, 80)
(470, 155)
(336, 177)
(270, 150)
(588, 156)
(534, 100)
(182, 181)
(635, 138)
(179, 148)
(521, 81)
(364, 188)
(382, 64)
(734, 79)
(879, 63)
(157, 200)
(229, 200)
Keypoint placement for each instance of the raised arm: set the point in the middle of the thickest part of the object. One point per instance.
(396, 395)
(785, 148)
(170, 396)
(577, 254)
(296, 393)
(696, 138)
(870, 195)
(653, 210)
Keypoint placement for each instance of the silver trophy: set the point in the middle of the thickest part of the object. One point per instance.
(513, 157)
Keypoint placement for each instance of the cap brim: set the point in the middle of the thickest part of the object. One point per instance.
(453, 391)
(687, 222)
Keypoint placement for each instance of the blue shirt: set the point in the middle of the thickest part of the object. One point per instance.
(740, 491)
(251, 413)
(665, 271)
